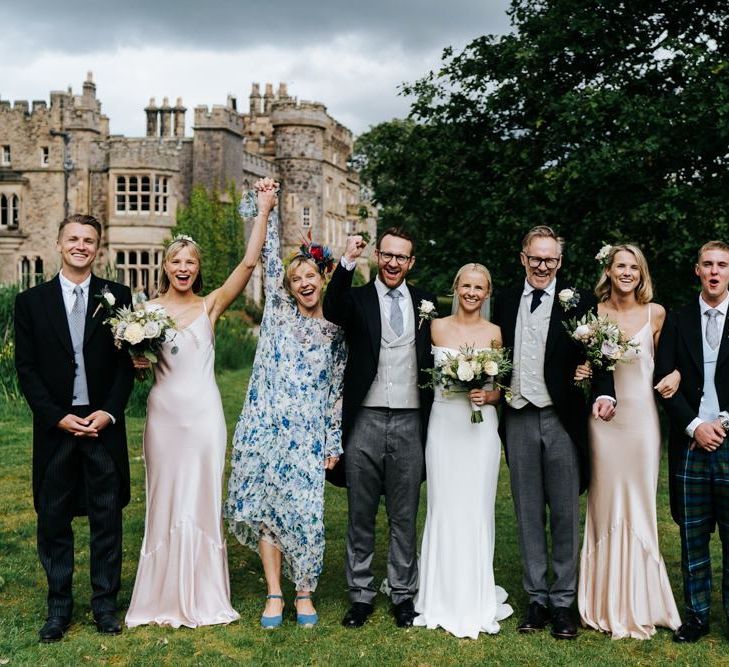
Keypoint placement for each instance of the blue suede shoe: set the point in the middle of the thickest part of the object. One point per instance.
(306, 620)
(270, 622)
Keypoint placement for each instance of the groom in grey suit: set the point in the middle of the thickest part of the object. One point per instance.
(384, 417)
(544, 428)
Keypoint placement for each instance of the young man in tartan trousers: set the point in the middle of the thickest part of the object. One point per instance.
(695, 340)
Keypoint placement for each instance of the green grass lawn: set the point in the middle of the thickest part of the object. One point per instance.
(22, 594)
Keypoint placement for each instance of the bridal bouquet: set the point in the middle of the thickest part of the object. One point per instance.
(141, 331)
(470, 369)
(605, 345)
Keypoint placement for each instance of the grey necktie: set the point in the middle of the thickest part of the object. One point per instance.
(712, 328)
(396, 312)
(77, 318)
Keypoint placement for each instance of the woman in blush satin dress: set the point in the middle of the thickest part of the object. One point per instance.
(624, 588)
(182, 577)
(457, 591)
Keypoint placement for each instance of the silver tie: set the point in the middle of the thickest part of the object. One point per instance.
(396, 312)
(712, 328)
(77, 318)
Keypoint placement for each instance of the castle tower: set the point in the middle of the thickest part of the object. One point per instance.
(298, 131)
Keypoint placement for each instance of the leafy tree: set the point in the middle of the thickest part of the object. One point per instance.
(607, 120)
(218, 229)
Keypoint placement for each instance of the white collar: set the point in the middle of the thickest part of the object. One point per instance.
(69, 286)
(383, 289)
(722, 307)
(549, 289)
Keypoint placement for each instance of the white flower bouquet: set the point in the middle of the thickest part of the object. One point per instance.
(604, 344)
(470, 369)
(142, 331)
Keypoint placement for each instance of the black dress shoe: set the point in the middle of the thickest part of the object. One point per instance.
(404, 613)
(536, 618)
(54, 629)
(107, 624)
(357, 615)
(691, 631)
(564, 625)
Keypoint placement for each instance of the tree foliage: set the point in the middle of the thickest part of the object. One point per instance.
(607, 120)
(217, 227)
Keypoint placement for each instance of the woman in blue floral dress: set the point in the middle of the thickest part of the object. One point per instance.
(289, 431)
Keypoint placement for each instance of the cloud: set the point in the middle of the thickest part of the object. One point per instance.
(352, 57)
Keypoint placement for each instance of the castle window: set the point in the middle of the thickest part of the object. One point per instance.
(262, 140)
(30, 271)
(134, 194)
(351, 227)
(161, 194)
(9, 211)
(44, 156)
(306, 217)
(138, 267)
(5, 155)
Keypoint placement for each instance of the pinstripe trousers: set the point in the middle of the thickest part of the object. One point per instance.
(80, 465)
(703, 483)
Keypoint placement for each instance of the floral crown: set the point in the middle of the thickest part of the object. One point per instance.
(604, 254)
(321, 255)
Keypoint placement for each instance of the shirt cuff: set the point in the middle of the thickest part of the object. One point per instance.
(347, 264)
(692, 427)
(111, 416)
(609, 398)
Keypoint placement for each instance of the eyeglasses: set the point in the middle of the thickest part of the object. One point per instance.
(549, 262)
(387, 257)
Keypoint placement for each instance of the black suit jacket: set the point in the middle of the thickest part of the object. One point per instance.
(45, 364)
(357, 311)
(562, 355)
(681, 347)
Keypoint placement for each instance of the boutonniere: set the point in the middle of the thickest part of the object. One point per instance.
(106, 300)
(426, 311)
(569, 297)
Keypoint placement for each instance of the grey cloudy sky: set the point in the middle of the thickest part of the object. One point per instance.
(350, 55)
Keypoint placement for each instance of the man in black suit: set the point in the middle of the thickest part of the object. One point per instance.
(384, 416)
(544, 428)
(695, 340)
(77, 384)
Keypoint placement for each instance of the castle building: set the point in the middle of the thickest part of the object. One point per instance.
(60, 158)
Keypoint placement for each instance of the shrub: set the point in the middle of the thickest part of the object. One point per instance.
(9, 388)
(235, 343)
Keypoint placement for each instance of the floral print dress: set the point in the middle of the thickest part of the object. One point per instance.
(290, 423)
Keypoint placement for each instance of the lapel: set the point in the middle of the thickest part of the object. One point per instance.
(53, 298)
(371, 305)
(556, 328)
(92, 322)
(421, 333)
(724, 344)
(690, 327)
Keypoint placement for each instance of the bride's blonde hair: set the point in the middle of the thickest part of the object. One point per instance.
(472, 266)
(644, 291)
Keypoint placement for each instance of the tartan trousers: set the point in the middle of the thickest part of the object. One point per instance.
(702, 482)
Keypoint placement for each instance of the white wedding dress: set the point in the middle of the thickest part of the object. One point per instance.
(457, 590)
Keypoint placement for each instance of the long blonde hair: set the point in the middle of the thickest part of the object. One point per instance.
(644, 291)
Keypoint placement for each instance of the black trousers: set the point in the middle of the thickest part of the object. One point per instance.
(80, 463)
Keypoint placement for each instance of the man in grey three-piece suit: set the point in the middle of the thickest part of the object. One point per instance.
(544, 428)
(384, 417)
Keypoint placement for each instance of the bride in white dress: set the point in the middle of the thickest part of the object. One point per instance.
(457, 590)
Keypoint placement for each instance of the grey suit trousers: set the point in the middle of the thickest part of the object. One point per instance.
(384, 456)
(545, 474)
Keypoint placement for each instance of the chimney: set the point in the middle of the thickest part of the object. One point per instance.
(152, 112)
(255, 99)
(268, 98)
(89, 87)
(179, 112)
(283, 92)
(165, 115)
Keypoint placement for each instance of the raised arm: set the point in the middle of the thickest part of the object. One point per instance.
(220, 299)
(337, 300)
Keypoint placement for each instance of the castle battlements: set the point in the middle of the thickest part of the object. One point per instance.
(220, 117)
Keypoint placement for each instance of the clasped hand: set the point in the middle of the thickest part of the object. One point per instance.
(85, 427)
(484, 397)
(708, 436)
